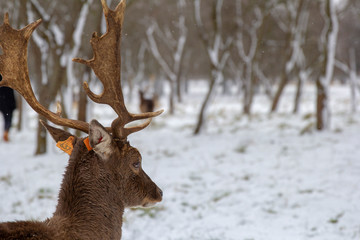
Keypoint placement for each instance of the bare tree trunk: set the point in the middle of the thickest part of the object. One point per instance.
(322, 83)
(19, 105)
(171, 98)
(297, 95)
(248, 54)
(46, 97)
(185, 71)
(217, 52)
(82, 111)
(82, 108)
(299, 87)
(281, 87)
(83, 101)
(41, 138)
(201, 117)
(290, 37)
(264, 80)
(41, 145)
(352, 79)
(179, 88)
(248, 94)
(322, 110)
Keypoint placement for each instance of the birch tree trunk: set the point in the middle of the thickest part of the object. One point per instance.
(217, 52)
(290, 45)
(353, 79)
(204, 106)
(323, 82)
(248, 54)
(302, 77)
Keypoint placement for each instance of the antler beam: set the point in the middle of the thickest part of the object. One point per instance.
(106, 64)
(15, 73)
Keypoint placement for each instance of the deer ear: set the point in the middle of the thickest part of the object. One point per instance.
(100, 140)
(56, 133)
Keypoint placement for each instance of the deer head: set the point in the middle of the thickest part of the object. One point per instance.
(106, 176)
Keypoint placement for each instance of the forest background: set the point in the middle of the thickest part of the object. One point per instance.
(239, 47)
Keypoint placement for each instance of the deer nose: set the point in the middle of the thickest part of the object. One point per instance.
(160, 192)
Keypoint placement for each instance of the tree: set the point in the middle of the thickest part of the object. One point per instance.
(329, 41)
(248, 54)
(293, 29)
(217, 52)
(347, 57)
(176, 46)
(53, 39)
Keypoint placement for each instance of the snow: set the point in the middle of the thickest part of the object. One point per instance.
(243, 178)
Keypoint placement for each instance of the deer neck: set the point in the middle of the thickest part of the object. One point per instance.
(88, 204)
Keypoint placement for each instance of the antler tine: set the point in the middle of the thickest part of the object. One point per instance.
(106, 64)
(15, 73)
(122, 132)
(141, 116)
(13, 58)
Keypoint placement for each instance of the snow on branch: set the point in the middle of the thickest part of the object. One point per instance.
(155, 51)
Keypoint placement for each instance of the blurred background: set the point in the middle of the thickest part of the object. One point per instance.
(238, 47)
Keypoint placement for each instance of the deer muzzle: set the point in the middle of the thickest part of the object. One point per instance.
(152, 198)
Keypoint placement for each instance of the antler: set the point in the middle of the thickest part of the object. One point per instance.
(15, 74)
(106, 64)
(107, 50)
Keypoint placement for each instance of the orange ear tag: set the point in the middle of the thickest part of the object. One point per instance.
(67, 145)
(87, 144)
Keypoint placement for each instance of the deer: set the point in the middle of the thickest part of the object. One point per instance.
(104, 174)
(147, 104)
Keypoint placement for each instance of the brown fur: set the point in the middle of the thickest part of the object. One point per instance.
(93, 195)
(25, 230)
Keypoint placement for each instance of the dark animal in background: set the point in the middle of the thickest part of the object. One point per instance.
(147, 104)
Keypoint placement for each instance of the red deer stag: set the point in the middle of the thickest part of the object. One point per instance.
(104, 173)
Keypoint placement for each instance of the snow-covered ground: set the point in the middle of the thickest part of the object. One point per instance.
(246, 179)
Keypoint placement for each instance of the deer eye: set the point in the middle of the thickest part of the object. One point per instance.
(136, 165)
